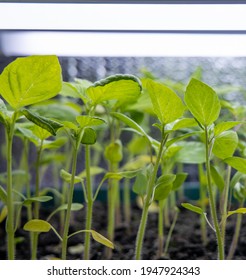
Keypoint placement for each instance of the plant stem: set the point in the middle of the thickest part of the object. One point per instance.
(203, 196)
(10, 202)
(127, 202)
(89, 204)
(36, 204)
(69, 202)
(211, 200)
(234, 243)
(160, 228)
(147, 202)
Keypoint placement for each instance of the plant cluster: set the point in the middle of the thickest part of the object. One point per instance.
(73, 122)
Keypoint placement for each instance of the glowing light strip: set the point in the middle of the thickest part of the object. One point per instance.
(18, 16)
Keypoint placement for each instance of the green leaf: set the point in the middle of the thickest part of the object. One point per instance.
(225, 144)
(3, 213)
(47, 124)
(129, 122)
(100, 238)
(181, 137)
(179, 180)
(86, 121)
(184, 123)
(192, 208)
(223, 126)
(137, 163)
(203, 102)
(55, 144)
(4, 113)
(67, 177)
(31, 79)
(89, 137)
(191, 153)
(239, 191)
(30, 200)
(69, 90)
(123, 88)
(140, 184)
(162, 191)
(120, 175)
(217, 178)
(113, 152)
(63, 207)
(166, 104)
(237, 163)
(238, 211)
(94, 170)
(37, 225)
(3, 195)
(26, 132)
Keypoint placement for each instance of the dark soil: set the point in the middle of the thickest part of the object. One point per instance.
(185, 243)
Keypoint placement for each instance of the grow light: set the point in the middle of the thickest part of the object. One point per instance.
(123, 29)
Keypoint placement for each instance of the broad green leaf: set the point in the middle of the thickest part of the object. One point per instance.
(140, 184)
(30, 200)
(238, 211)
(37, 225)
(162, 191)
(129, 122)
(225, 144)
(191, 152)
(179, 180)
(184, 123)
(55, 144)
(3, 213)
(86, 121)
(166, 179)
(120, 175)
(203, 102)
(217, 178)
(3, 195)
(114, 152)
(63, 207)
(70, 125)
(192, 208)
(181, 137)
(122, 88)
(166, 104)
(100, 238)
(237, 163)
(89, 137)
(29, 80)
(94, 170)
(223, 126)
(69, 90)
(47, 124)
(67, 177)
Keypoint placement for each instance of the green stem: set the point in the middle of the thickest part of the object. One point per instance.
(234, 243)
(147, 201)
(211, 200)
(89, 204)
(10, 202)
(69, 202)
(36, 204)
(225, 203)
(203, 196)
(127, 202)
(160, 228)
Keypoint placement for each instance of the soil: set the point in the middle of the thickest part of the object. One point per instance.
(186, 243)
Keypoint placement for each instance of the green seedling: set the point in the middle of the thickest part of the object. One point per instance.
(24, 82)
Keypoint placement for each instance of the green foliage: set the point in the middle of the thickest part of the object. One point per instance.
(113, 152)
(37, 225)
(29, 80)
(203, 102)
(237, 163)
(193, 208)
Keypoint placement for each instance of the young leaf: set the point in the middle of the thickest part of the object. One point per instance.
(37, 225)
(184, 123)
(192, 208)
(162, 191)
(100, 238)
(179, 180)
(123, 88)
(129, 122)
(166, 179)
(113, 152)
(191, 152)
(202, 101)
(238, 211)
(217, 178)
(30, 80)
(181, 137)
(166, 104)
(63, 207)
(237, 163)
(85, 121)
(120, 175)
(89, 137)
(66, 176)
(140, 184)
(3, 213)
(3, 195)
(29, 201)
(47, 124)
(223, 126)
(225, 144)
(4, 113)
(54, 144)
